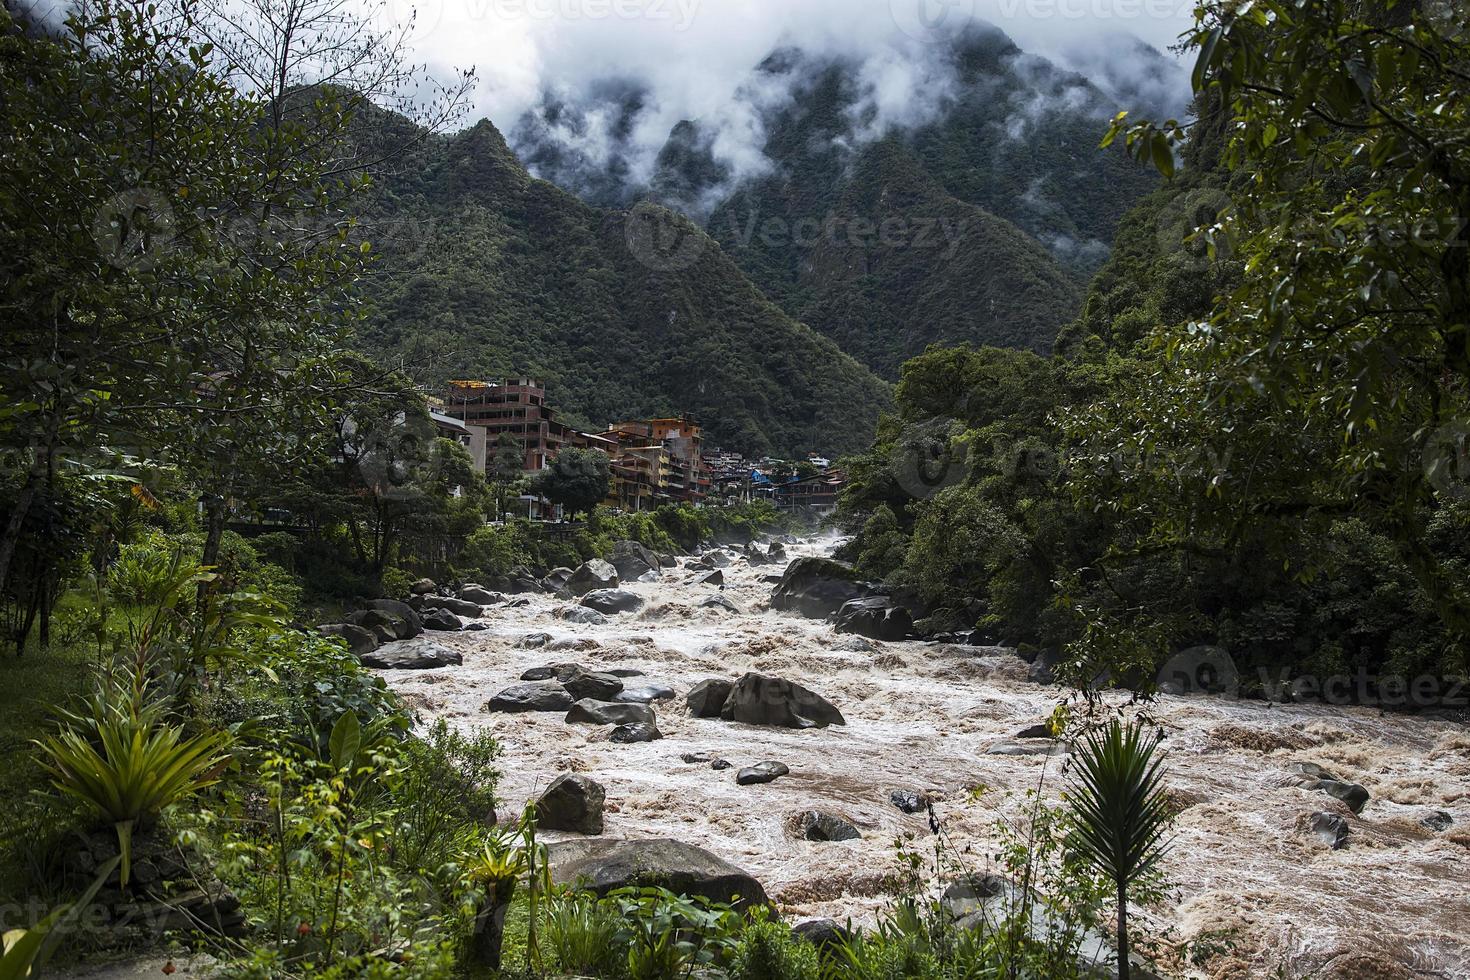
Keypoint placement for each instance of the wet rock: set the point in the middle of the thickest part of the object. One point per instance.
(645, 693)
(545, 696)
(1330, 829)
(694, 757)
(707, 698)
(480, 595)
(1355, 796)
(583, 683)
(417, 654)
(539, 673)
(632, 560)
(359, 640)
(713, 559)
(409, 624)
(519, 602)
(815, 825)
(1035, 731)
(853, 644)
(590, 712)
(572, 802)
(1438, 821)
(476, 626)
(876, 617)
(909, 800)
(636, 732)
(556, 579)
(760, 700)
(612, 601)
(715, 577)
(817, 587)
(761, 772)
(442, 620)
(1310, 771)
(1028, 747)
(624, 672)
(459, 607)
(821, 933)
(776, 550)
(970, 895)
(423, 586)
(534, 641)
(668, 561)
(593, 575)
(605, 865)
(1044, 667)
(719, 602)
(581, 614)
(383, 625)
(720, 765)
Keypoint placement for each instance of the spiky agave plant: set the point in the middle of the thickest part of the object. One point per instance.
(1120, 811)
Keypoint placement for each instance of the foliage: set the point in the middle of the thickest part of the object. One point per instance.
(25, 950)
(121, 757)
(768, 951)
(1120, 810)
(578, 479)
(582, 934)
(1330, 380)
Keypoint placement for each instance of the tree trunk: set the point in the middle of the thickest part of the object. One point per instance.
(10, 537)
(489, 930)
(214, 527)
(1123, 964)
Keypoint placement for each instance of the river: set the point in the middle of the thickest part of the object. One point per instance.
(1246, 875)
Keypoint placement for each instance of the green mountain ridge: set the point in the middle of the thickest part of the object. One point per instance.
(489, 272)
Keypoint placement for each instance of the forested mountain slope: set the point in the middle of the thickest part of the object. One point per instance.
(488, 272)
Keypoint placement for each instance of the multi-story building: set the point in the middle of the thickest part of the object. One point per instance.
(517, 407)
(817, 494)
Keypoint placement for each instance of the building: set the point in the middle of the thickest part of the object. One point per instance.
(517, 407)
(817, 494)
(689, 478)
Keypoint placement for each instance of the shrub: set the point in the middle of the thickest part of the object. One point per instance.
(768, 951)
(582, 933)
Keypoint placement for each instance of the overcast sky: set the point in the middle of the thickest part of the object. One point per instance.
(695, 53)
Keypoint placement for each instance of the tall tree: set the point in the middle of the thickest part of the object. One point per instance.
(578, 479)
(1332, 381)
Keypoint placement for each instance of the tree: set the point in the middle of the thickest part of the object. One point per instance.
(1332, 381)
(1120, 812)
(504, 470)
(578, 479)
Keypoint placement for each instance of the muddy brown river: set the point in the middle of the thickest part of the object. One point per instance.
(1247, 876)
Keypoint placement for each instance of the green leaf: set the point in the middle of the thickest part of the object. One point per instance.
(345, 740)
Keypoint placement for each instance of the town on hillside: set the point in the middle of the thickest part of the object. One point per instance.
(650, 461)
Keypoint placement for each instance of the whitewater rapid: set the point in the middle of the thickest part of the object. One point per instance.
(1247, 877)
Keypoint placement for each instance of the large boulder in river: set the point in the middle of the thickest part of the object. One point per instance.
(417, 654)
(583, 683)
(817, 587)
(593, 575)
(707, 698)
(384, 626)
(410, 625)
(875, 617)
(590, 712)
(609, 602)
(360, 640)
(760, 700)
(479, 595)
(572, 802)
(460, 607)
(604, 866)
(545, 696)
(442, 620)
(632, 560)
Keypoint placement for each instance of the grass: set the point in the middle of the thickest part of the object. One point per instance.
(29, 686)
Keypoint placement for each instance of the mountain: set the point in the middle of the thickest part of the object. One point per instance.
(488, 272)
(973, 210)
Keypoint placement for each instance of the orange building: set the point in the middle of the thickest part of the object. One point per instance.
(517, 407)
